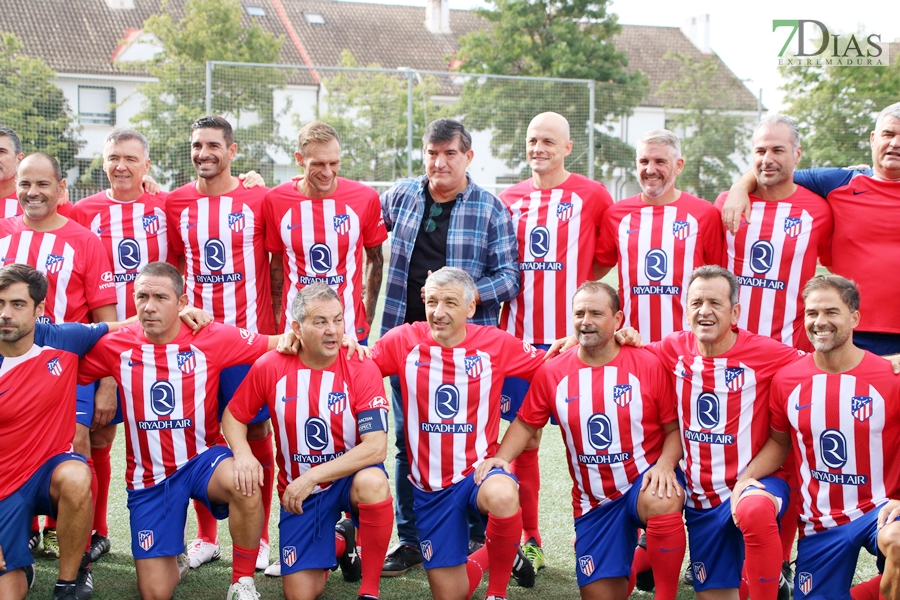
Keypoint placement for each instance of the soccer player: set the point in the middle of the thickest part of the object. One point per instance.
(317, 228)
(556, 216)
(442, 218)
(10, 156)
(616, 410)
(167, 379)
(37, 373)
(839, 408)
(657, 239)
(81, 286)
(774, 254)
(449, 372)
(216, 231)
(330, 418)
(866, 206)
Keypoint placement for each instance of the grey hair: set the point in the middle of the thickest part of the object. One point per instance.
(784, 120)
(714, 272)
(314, 292)
(164, 269)
(123, 135)
(888, 111)
(845, 288)
(454, 276)
(13, 137)
(663, 137)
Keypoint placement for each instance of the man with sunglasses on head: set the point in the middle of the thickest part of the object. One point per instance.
(440, 219)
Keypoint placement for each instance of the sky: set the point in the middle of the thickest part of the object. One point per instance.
(741, 33)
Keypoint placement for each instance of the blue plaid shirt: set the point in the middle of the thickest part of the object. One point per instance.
(481, 241)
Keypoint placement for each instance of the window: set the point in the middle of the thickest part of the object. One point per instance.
(255, 10)
(314, 18)
(97, 105)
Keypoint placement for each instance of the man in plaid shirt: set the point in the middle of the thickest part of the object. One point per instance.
(440, 219)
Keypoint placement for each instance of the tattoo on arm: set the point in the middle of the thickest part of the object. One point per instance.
(374, 270)
(276, 277)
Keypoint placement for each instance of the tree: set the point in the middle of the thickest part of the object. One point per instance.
(712, 134)
(548, 38)
(35, 108)
(210, 30)
(835, 108)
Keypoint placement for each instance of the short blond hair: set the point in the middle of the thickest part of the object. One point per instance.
(315, 132)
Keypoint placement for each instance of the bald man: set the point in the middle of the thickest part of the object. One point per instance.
(556, 215)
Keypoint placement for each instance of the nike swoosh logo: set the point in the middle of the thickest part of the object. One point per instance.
(288, 399)
(675, 549)
(295, 226)
(630, 231)
(8, 258)
(102, 229)
(685, 374)
(573, 398)
(218, 458)
(802, 406)
(3, 392)
(132, 363)
(762, 579)
(422, 364)
(191, 225)
(858, 192)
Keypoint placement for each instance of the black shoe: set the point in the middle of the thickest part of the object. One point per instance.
(99, 546)
(84, 583)
(34, 541)
(475, 545)
(523, 570)
(366, 597)
(29, 575)
(785, 589)
(642, 541)
(788, 574)
(688, 578)
(351, 567)
(64, 593)
(401, 560)
(644, 580)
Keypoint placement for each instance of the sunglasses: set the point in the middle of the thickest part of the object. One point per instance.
(436, 210)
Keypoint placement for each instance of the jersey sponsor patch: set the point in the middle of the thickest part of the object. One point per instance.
(681, 230)
(564, 211)
(622, 395)
(342, 224)
(236, 222)
(734, 379)
(145, 539)
(862, 408)
(54, 367)
(151, 224)
(54, 263)
(586, 564)
(378, 402)
(187, 362)
(473, 366)
(337, 402)
(792, 226)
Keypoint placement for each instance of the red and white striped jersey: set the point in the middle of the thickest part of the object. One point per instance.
(168, 392)
(133, 234)
(723, 407)
(656, 249)
(451, 396)
(73, 261)
(323, 241)
(12, 208)
(611, 419)
(557, 234)
(845, 428)
(318, 414)
(773, 257)
(222, 239)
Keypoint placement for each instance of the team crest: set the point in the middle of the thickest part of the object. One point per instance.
(187, 362)
(862, 407)
(151, 224)
(289, 555)
(805, 583)
(699, 572)
(586, 564)
(337, 402)
(145, 539)
(55, 367)
(734, 379)
(564, 211)
(427, 550)
(681, 230)
(622, 395)
(342, 224)
(473, 366)
(236, 222)
(792, 226)
(54, 263)
(505, 403)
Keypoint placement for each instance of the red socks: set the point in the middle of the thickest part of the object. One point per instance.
(103, 469)
(207, 526)
(666, 543)
(527, 470)
(502, 542)
(640, 564)
(475, 568)
(264, 452)
(243, 562)
(376, 521)
(867, 590)
(757, 518)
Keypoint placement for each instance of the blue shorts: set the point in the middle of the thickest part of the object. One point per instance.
(513, 393)
(307, 540)
(84, 405)
(229, 380)
(826, 561)
(717, 545)
(159, 513)
(17, 510)
(606, 536)
(442, 519)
